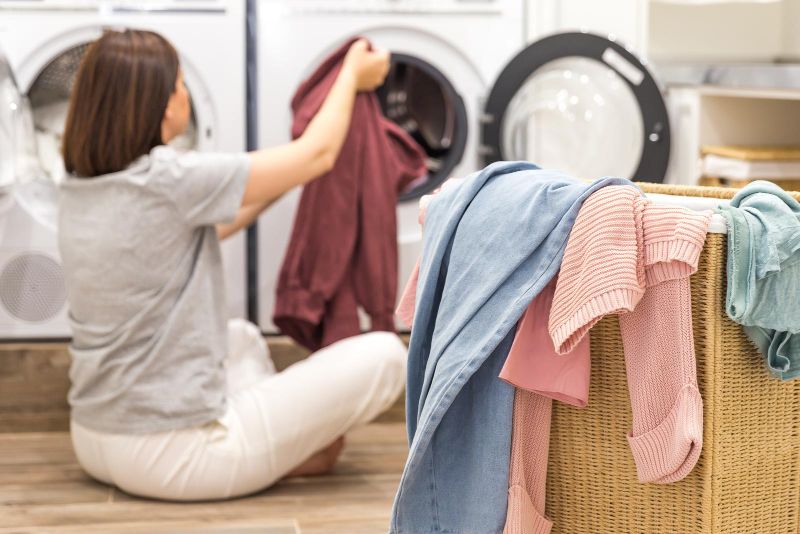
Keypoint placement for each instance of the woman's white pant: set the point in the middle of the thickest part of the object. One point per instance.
(274, 422)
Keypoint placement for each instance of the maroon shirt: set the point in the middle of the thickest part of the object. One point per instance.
(343, 249)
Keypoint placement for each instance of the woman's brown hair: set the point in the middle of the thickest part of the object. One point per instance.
(118, 101)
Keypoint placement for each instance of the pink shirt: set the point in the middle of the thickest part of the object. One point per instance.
(534, 365)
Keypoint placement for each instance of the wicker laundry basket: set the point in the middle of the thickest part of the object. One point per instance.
(748, 477)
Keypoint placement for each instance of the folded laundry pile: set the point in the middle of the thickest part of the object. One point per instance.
(736, 166)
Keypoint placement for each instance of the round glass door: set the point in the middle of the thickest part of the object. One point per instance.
(10, 107)
(581, 104)
(567, 116)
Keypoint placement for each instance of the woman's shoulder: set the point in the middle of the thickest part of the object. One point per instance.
(168, 164)
(178, 162)
(163, 164)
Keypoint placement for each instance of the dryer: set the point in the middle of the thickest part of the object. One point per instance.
(44, 41)
(466, 85)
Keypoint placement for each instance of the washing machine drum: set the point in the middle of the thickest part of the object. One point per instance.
(422, 101)
(580, 103)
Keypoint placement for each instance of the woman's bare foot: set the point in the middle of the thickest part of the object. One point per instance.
(321, 462)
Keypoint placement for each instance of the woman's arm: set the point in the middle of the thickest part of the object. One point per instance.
(274, 171)
(246, 216)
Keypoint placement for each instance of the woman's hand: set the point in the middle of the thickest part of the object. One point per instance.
(369, 67)
(273, 171)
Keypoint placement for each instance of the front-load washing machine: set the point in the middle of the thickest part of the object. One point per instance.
(44, 41)
(468, 88)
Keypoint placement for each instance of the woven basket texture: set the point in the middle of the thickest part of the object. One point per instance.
(748, 477)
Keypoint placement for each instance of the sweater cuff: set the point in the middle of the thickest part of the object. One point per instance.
(568, 333)
(670, 260)
(670, 451)
(522, 516)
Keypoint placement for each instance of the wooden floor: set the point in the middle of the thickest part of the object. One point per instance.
(42, 489)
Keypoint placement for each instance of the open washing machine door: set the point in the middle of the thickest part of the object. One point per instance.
(17, 159)
(10, 102)
(580, 103)
(22, 181)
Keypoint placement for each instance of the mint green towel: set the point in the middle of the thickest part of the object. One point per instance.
(764, 272)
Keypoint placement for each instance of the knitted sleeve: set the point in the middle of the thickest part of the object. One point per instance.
(602, 272)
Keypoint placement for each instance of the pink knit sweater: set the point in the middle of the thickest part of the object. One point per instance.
(628, 256)
(622, 244)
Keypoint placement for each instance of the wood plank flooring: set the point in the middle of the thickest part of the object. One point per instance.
(43, 490)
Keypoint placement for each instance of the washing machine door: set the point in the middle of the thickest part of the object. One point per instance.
(22, 181)
(580, 103)
(10, 109)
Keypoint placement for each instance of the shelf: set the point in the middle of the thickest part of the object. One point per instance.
(743, 92)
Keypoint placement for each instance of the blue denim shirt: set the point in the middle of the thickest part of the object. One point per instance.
(491, 245)
(764, 272)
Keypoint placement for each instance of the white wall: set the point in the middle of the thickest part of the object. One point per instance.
(733, 30)
(680, 30)
(621, 18)
(791, 29)
(701, 31)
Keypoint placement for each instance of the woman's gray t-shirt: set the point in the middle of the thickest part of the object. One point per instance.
(146, 291)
